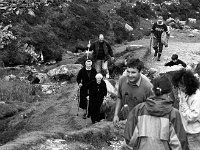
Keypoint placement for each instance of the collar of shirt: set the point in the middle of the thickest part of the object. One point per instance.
(135, 84)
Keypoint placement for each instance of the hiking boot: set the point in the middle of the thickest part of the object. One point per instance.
(158, 59)
(84, 116)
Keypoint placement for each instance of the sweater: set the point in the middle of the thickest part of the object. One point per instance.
(189, 108)
(171, 63)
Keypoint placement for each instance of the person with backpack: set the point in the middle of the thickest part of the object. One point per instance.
(157, 30)
(155, 124)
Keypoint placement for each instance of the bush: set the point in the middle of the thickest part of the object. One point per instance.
(15, 91)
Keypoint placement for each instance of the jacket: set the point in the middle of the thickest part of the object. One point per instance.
(106, 47)
(155, 125)
(190, 113)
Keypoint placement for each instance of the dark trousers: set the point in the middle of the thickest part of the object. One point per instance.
(157, 46)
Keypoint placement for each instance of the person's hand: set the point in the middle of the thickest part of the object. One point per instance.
(112, 58)
(80, 85)
(115, 120)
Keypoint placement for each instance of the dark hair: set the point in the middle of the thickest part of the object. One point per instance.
(162, 85)
(187, 79)
(174, 56)
(135, 63)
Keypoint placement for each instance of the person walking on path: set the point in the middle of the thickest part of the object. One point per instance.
(175, 61)
(155, 124)
(85, 75)
(157, 30)
(133, 88)
(189, 105)
(96, 91)
(102, 52)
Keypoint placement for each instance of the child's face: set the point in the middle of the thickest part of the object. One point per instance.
(174, 60)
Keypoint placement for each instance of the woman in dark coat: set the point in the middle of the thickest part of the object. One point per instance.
(96, 91)
(85, 75)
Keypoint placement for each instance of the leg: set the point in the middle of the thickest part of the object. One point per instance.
(155, 46)
(98, 66)
(105, 67)
(160, 45)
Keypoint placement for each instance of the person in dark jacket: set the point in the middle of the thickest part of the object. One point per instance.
(85, 75)
(157, 29)
(155, 124)
(97, 90)
(175, 61)
(102, 52)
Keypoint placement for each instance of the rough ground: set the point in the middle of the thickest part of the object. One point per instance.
(56, 116)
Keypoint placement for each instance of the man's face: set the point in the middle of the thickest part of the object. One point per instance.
(133, 74)
(174, 60)
(98, 79)
(160, 19)
(88, 64)
(101, 38)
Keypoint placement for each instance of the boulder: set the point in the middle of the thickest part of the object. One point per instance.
(65, 71)
(7, 110)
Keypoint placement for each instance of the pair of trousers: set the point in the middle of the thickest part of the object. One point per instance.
(157, 46)
(101, 65)
(194, 141)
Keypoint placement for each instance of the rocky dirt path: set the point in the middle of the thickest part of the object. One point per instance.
(187, 48)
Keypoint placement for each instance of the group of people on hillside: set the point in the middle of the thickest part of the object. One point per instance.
(152, 121)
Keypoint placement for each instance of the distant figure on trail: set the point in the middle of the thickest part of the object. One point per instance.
(96, 91)
(102, 52)
(155, 124)
(157, 30)
(85, 75)
(133, 88)
(175, 61)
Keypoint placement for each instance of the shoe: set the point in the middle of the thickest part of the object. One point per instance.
(158, 59)
(84, 116)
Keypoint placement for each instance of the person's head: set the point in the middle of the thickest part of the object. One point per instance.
(186, 81)
(174, 57)
(88, 64)
(99, 77)
(101, 38)
(134, 67)
(161, 85)
(160, 19)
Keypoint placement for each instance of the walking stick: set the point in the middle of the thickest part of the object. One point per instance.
(151, 39)
(78, 99)
(87, 110)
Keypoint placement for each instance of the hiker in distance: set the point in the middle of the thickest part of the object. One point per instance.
(102, 52)
(96, 91)
(85, 75)
(155, 124)
(175, 61)
(133, 88)
(157, 30)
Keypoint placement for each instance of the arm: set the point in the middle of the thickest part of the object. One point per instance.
(153, 28)
(131, 131)
(182, 63)
(79, 77)
(104, 89)
(169, 64)
(166, 29)
(192, 112)
(110, 51)
(178, 137)
(92, 47)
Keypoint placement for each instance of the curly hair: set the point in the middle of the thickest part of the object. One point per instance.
(187, 79)
(135, 63)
